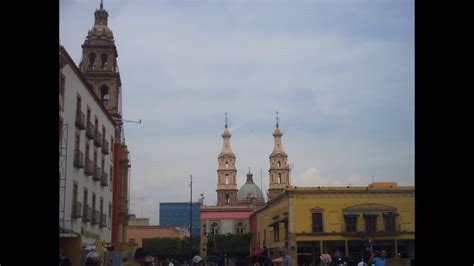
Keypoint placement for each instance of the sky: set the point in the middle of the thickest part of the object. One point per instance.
(340, 73)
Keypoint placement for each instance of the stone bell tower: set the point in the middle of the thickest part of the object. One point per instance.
(226, 172)
(99, 63)
(279, 170)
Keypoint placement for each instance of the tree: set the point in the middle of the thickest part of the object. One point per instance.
(234, 245)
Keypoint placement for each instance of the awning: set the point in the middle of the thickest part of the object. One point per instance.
(371, 214)
(351, 214)
(257, 252)
(390, 214)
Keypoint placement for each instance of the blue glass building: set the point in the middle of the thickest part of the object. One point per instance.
(177, 214)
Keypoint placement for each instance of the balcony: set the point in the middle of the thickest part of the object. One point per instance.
(80, 120)
(90, 130)
(98, 139)
(97, 173)
(103, 220)
(104, 180)
(89, 167)
(78, 159)
(95, 217)
(87, 215)
(105, 147)
(76, 210)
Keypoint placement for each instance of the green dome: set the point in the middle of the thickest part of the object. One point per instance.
(250, 190)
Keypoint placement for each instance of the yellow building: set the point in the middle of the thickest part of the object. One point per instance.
(347, 222)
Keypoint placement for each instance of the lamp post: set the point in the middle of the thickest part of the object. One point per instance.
(191, 217)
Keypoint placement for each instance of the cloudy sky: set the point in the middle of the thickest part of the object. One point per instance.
(340, 74)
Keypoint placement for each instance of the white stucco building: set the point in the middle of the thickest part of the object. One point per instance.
(87, 134)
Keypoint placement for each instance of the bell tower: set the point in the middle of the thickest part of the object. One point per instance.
(226, 172)
(279, 169)
(99, 63)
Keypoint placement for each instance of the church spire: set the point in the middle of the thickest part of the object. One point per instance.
(101, 15)
(226, 150)
(226, 172)
(279, 169)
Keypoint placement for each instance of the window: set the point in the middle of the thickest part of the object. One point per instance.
(85, 202)
(351, 223)
(370, 223)
(110, 179)
(227, 199)
(264, 238)
(226, 165)
(214, 228)
(279, 164)
(87, 150)
(101, 206)
(74, 192)
(389, 223)
(96, 124)
(109, 220)
(102, 164)
(95, 157)
(226, 179)
(103, 134)
(77, 141)
(276, 232)
(104, 94)
(93, 202)
(103, 62)
(92, 60)
(78, 104)
(88, 115)
(317, 218)
(279, 178)
(111, 146)
(239, 226)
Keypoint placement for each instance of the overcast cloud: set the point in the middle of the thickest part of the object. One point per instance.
(340, 73)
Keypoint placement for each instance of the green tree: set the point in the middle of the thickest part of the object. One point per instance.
(233, 244)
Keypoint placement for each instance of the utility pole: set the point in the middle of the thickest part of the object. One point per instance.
(191, 217)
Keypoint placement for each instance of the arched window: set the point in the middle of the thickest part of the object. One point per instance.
(227, 199)
(103, 61)
(104, 94)
(214, 228)
(226, 165)
(279, 178)
(226, 179)
(279, 164)
(92, 60)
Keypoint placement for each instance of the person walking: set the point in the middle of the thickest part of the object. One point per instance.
(286, 258)
(378, 258)
(139, 258)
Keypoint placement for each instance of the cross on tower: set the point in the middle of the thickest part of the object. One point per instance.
(277, 119)
(225, 119)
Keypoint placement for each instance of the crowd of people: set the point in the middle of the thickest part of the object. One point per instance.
(141, 258)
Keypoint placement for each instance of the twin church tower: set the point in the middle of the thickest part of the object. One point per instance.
(250, 193)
